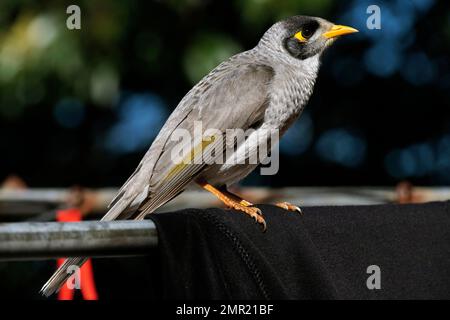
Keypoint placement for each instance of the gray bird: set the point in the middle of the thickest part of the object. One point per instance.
(265, 88)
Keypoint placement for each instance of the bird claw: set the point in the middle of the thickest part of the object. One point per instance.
(289, 207)
(253, 212)
(256, 214)
(259, 219)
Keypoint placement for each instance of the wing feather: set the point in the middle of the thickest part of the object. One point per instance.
(234, 95)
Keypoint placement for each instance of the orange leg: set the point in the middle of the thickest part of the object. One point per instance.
(236, 203)
(289, 207)
(235, 197)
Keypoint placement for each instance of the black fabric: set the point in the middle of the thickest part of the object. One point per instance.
(323, 254)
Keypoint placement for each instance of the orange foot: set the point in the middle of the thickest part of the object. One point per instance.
(234, 202)
(289, 207)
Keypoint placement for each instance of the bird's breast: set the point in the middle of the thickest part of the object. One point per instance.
(289, 93)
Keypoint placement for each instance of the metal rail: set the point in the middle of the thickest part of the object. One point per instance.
(36, 201)
(45, 240)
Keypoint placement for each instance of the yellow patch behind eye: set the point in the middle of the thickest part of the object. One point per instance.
(299, 36)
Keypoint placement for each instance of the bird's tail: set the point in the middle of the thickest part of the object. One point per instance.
(61, 276)
(122, 208)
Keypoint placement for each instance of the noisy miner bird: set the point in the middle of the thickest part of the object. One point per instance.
(263, 88)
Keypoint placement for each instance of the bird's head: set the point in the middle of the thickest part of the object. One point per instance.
(303, 37)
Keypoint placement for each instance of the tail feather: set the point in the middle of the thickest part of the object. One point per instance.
(61, 275)
(121, 209)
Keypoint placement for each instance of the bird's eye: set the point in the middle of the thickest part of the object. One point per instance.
(304, 34)
(307, 32)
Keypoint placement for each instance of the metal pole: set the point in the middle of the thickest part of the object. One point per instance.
(31, 241)
(306, 195)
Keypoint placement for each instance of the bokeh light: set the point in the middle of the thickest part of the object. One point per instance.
(141, 116)
(341, 146)
(69, 113)
(389, 44)
(430, 158)
(418, 69)
(298, 138)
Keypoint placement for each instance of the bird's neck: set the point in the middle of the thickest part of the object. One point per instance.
(293, 85)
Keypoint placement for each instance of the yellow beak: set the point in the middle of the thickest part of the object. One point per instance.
(338, 30)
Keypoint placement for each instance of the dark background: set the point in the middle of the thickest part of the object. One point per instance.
(82, 106)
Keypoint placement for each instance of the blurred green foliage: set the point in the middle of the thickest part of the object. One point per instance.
(257, 12)
(206, 52)
(42, 61)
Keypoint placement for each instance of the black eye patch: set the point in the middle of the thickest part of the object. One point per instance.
(300, 30)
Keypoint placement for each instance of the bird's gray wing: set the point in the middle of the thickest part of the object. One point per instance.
(234, 95)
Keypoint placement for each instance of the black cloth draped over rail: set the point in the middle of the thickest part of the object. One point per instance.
(322, 254)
